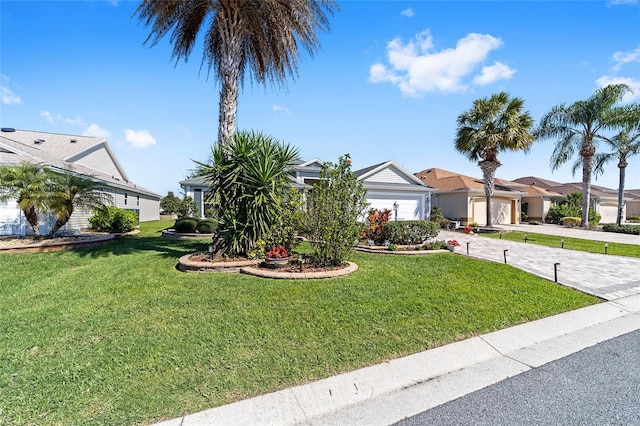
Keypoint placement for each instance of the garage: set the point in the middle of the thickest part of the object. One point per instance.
(501, 211)
(608, 212)
(409, 206)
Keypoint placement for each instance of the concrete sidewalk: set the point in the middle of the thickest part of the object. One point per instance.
(563, 231)
(386, 393)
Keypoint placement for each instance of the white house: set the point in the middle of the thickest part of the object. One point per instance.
(388, 184)
(86, 155)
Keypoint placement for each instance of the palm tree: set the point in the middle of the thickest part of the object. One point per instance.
(623, 146)
(259, 35)
(27, 184)
(248, 178)
(492, 125)
(578, 127)
(71, 191)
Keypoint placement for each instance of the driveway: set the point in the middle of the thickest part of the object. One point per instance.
(605, 276)
(584, 234)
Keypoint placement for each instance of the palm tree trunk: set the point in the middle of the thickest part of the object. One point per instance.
(229, 73)
(489, 171)
(32, 218)
(623, 167)
(587, 152)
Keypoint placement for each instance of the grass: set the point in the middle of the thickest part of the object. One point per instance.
(116, 335)
(591, 246)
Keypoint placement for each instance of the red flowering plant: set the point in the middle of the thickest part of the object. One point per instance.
(454, 243)
(277, 253)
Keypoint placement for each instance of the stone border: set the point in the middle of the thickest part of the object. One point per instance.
(186, 265)
(170, 233)
(399, 252)
(273, 273)
(58, 246)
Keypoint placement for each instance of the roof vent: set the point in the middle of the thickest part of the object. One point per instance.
(38, 141)
(8, 129)
(74, 140)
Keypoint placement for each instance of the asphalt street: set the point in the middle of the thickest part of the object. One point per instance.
(599, 385)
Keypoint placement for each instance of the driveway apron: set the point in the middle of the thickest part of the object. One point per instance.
(605, 276)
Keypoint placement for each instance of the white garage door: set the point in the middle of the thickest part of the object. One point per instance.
(501, 212)
(408, 206)
(9, 218)
(608, 213)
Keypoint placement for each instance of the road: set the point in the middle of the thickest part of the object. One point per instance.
(599, 385)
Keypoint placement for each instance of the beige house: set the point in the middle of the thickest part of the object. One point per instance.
(603, 200)
(462, 198)
(633, 202)
(86, 155)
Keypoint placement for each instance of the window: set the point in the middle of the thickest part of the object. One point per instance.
(137, 200)
(125, 198)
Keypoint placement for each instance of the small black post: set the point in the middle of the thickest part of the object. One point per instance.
(606, 248)
(562, 242)
(505, 256)
(555, 271)
(526, 237)
(500, 235)
(467, 249)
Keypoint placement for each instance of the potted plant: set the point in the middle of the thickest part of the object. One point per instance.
(452, 244)
(468, 229)
(277, 257)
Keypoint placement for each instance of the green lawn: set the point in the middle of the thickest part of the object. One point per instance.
(618, 249)
(116, 335)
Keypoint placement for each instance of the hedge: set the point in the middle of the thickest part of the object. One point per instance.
(409, 231)
(622, 229)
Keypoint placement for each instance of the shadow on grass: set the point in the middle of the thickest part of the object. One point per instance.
(130, 244)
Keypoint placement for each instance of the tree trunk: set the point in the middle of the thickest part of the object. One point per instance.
(229, 74)
(623, 167)
(489, 171)
(32, 218)
(587, 152)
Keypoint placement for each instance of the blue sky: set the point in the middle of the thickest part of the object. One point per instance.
(388, 82)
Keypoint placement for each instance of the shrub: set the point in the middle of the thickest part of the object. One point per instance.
(114, 220)
(285, 230)
(435, 245)
(571, 221)
(633, 218)
(207, 226)
(621, 229)
(560, 211)
(186, 225)
(437, 216)
(410, 231)
(337, 201)
(375, 219)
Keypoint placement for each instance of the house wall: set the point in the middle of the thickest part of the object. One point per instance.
(633, 208)
(387, 176)
(11, 220)
(454, 206)
(538, 207)
(504, 210)
(99, 159)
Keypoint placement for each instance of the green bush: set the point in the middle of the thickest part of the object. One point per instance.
(571, 221)
(437, 216)
(633, 218)
(337, 201)
(410, 231)
(284, 231)
(113, 220)
(621, 229)
(207, 226)
(186, 225)
(435, 245)
(557, 213)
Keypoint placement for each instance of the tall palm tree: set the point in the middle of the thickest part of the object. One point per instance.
(71, 191)
(492, 125)
(578, 127)
(622, 147)
(28, 185)
(259, 35)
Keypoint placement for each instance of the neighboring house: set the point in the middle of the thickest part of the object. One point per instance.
(462, 198)
(633, 202)
(387, 184)
(603, 200)
(85, 155)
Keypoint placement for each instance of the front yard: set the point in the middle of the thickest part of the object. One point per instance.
(116, 335)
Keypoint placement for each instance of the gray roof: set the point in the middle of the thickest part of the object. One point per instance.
(59, 151)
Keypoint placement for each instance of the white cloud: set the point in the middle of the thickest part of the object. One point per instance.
(408, 13)
(492, 73)
(623, 58)
(279, 108)
(606, 80)
(50, 117)
(139, 138)
(75, 121)
(417, 68)
(10, 98)
(95, 130)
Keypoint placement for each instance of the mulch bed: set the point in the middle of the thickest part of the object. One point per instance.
(294, 265)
